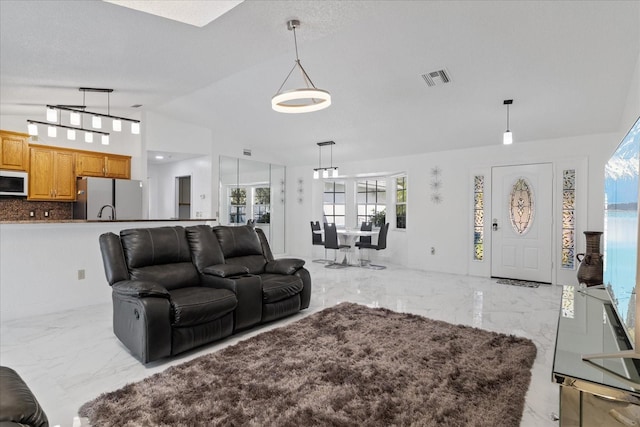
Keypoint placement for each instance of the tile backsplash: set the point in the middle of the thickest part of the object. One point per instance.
(12, 209)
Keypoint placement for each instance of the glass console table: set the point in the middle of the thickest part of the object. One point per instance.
(599, 391)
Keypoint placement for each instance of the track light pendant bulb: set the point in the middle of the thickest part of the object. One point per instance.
(76, 113)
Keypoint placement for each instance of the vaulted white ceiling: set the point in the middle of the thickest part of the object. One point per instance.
(567, 65)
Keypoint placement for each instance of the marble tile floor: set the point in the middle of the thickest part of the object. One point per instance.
(70, 357)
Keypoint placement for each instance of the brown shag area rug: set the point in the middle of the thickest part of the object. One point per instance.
(348, 365)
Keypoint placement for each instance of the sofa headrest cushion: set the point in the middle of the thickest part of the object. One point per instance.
(205, 248)
(238, 241)
(155, 246)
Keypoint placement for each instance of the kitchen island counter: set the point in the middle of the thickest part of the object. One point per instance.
(56, 265)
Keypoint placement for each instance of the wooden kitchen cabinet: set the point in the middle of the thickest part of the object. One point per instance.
(118, 167)
(52, 174)
(103, 165)
(14, 150)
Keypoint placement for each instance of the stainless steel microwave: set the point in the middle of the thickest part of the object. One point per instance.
(14, 183)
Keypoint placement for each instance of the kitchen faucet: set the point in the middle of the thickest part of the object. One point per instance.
(113, 212)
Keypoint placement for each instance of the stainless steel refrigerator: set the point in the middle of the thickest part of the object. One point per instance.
(94, 194)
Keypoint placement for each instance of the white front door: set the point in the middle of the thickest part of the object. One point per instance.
(521, 222)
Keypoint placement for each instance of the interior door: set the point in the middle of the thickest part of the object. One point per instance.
(521, 219)
(183, 196)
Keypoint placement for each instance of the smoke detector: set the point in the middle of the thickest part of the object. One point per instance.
(437, 77)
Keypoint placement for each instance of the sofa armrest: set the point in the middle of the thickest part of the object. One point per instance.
(18, 405)
(226, 270)
(284, 266)
(140, 289)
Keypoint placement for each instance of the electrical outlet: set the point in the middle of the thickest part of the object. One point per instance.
(81, 274)
(46, 214)
(32, 214)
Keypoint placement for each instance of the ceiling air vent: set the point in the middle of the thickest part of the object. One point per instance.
(246, 152)
(436, 78)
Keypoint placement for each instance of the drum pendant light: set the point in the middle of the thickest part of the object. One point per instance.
(302, 100)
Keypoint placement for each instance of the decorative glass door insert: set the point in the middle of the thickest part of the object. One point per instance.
(521, 206)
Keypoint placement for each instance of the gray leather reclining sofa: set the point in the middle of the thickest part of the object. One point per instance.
(176, 288)
(18, 406)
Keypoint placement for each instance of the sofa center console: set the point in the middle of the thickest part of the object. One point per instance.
(594, 363)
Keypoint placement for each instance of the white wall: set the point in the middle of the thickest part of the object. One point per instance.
(447, 226)
(39, 266)
(36, 276)
(632, 107)
(161, 181)
(161, 133)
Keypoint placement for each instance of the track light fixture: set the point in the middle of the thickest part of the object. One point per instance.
(507, 138)
(320, 169)
(76, 116)
(302, 100)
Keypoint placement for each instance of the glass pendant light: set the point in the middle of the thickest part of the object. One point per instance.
(52, 115)
(88, 137)
(316, 174)
(71, 134)
(105, 139)
(117, 125)
(135, 128)
(32, 128)
(507, 138)
(52, 131)
(96, 122)
(335, 172)
(74, 118)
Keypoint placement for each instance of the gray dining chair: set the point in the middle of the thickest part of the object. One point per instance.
(331, 242)
(365, 226)
(380, 245)
(316, 240)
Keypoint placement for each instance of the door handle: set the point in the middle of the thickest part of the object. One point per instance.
(495, 224)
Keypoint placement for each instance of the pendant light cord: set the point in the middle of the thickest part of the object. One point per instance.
(305, 76)
(304, 72)
(331, 151)
(295, 42)
(508, 118)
